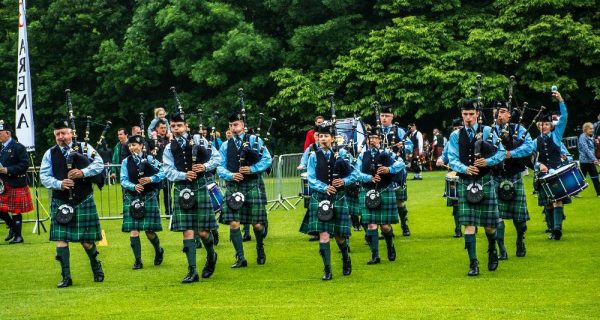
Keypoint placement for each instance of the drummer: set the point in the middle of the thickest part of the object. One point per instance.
(395, 138)
(548, 148)
(312, 148)
(442, 161)
(517, 150)
(376, 169)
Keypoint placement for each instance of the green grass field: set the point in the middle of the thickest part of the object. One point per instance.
(557, 279)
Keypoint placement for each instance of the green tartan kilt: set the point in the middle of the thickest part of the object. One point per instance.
(254, 210)
(354, 205)
(151, 220)
(387, 213)
(304, 224)
(201, 217)
(338, 226)
(484, 213)
(85, 226)
(515, 209)
(543, 199)
(401, 192)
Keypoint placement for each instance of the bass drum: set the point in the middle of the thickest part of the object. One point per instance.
(348, 137)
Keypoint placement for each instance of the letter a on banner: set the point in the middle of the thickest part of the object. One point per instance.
(24, 108)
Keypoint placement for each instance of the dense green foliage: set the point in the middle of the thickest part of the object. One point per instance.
(121, 57)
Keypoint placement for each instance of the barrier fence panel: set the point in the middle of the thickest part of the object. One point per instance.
(288, 182)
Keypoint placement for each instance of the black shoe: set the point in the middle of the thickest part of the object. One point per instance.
(239, 263)
(313, 238)
(521, 251)
(492, 260)
(137, 264)
(556, 233)
(158, 258)
(391, 253)
(381, 237)
(327, 274)
(98, 273)
(215, 234)
(65, 282)
(261, 258)
(17, 239)
(192, 276)
(473, 268)
(548, 230)
(209, 267)
(405, 230)
(457, 233)
(347, 266)
(246, 238)
(503, 255)
(374, 259)
(10, 235)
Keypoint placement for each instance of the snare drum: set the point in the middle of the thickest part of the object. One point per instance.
(564, 182)
(216, 197)
(452, 185)
(304, 185)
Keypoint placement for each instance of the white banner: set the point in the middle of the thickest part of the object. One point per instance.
(24, 117)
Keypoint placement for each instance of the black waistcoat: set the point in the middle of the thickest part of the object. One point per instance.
(83, 187)
(466, 154)
(415, 141)
(233, 159)
(324, 167)
(370, 165)
(147, 170)
(15, 156)
(548, 152)
(184, 157)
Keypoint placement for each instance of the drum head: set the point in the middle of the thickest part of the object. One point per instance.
(373, 199)
(347, 138)
(187, 199)
(474, 193)
(137, 209)
(64, 214)
(559, 171)
(451, 176)
(325, 212)
(236, 200)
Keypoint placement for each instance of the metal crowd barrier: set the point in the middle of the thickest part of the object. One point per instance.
(287, 182)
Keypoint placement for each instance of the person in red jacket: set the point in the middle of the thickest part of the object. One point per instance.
(310, 135)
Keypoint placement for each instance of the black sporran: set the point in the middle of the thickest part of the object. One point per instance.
(236, 200)
(64, 214)
(373, 199)
(474, 193)
(326, 211)
(137, 209)
(506, 190)
(187, 199)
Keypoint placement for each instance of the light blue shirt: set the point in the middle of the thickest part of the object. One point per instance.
(47, 176)
(318, 185)
(171, 172)
(525, 149)
(156, 178)
(394, 169)
(263, 164)
(454, 155)
(400, 133)
(559, 129)
(306, 154)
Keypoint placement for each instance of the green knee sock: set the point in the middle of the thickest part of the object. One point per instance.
(325, 252)
(236, 237)
(470, 245)
(136, 246)
(558, 218)
(389, 238)
(550, 218)
(402, 212)
(92, 253)
(63, 256)
(521, 227)
(189, 247)
(209, 244)
(344, 248)
(260, 235)
(373, 241)
(491, 237)
(455, 215)
(500, 235)
(155, 243)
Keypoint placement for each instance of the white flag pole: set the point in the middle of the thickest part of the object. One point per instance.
(25, 130)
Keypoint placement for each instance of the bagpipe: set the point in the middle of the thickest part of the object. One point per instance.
(250, 153)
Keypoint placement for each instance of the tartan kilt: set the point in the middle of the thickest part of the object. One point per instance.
(15, 199)
(387, 213)
(304, 224)
(543, 199)
(354, 205)
(515, 209)
(401, 193)
(201, 217)
(483, 214)
(85, 226)
(151, 220)
(338, 226)
(254, 210)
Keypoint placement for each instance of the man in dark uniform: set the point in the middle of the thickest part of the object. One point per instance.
(187, 162)
(512, 206)
(480, 206)
(396, 139)
(244, 158)
(68, 172)
(14, 191)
